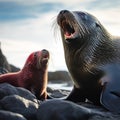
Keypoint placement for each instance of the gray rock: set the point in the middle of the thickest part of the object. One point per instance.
(17, 104)
(64, 110)
(7, 89)
(3, 70)
(55, 93)
(4, 64)
(6, 115)
(3, 61)
(14, 68)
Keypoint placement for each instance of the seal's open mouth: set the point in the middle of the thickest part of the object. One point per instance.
(45, 57)
(68, 30)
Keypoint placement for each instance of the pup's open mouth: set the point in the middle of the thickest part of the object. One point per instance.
(44, 59)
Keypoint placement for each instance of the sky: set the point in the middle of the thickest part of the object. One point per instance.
(27, 26)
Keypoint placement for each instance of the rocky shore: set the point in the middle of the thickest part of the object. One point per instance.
(19, 104)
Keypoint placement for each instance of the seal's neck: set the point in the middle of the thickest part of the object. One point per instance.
(95, 51)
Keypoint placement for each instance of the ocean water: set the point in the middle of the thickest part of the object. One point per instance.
(63, 86)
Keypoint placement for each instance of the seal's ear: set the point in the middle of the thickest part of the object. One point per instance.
(110, 96)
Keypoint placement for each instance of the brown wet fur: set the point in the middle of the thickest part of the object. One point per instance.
(33, 76)
(88, 55)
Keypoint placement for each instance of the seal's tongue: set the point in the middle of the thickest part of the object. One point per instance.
(67, 33)
(68, 30)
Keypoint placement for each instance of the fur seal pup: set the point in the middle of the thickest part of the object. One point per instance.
(92, 57)
(33, 75)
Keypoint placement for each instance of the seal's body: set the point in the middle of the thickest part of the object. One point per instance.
(92, 57)
(33, 76)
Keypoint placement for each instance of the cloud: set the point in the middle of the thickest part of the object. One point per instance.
(19, 10)
(19, 38)
(26, 26)
(102, 4)
(27, 9)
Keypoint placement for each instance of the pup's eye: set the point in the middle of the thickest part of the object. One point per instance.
(35, 55)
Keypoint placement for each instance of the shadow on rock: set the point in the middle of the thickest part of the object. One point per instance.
(17, 104)
(6, 115)
(64, 110)
(7, 89)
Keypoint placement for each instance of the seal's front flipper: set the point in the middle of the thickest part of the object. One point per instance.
(77, 95)
(110, 96)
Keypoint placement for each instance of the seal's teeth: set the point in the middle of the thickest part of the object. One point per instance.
(68, 28)
(71, 36)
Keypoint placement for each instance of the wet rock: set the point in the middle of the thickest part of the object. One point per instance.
(20, 104)
(64, 110)
(55, 93)
(3, 61)
(7, 89)
(14, 68)
(6, 115)
(17, 104)
(61, 110)
(4, 64)
(3, 70)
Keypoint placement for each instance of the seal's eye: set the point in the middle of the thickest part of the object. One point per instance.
(35, 54)
(97, 25)
(82, 15)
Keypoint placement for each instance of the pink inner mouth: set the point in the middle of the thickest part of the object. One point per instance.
(68, 29)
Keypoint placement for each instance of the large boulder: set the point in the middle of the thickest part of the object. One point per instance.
(7, 90)
(6, 115)
(4, 64)
(65, 110)
(3, 61)
(20, 105)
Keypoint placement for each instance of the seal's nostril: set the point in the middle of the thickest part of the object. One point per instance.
(44, 50)
(45, 53)
(63, 11)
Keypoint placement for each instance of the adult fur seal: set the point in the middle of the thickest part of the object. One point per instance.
(93, 59)
(33, 76)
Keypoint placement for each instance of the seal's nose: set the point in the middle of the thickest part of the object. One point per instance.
(63, 11)
(44, 50)
(45, 53)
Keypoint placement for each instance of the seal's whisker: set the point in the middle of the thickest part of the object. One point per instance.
(56, 29)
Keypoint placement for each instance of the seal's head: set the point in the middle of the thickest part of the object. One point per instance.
(38, 59)
(78, 26)
(36, 73)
